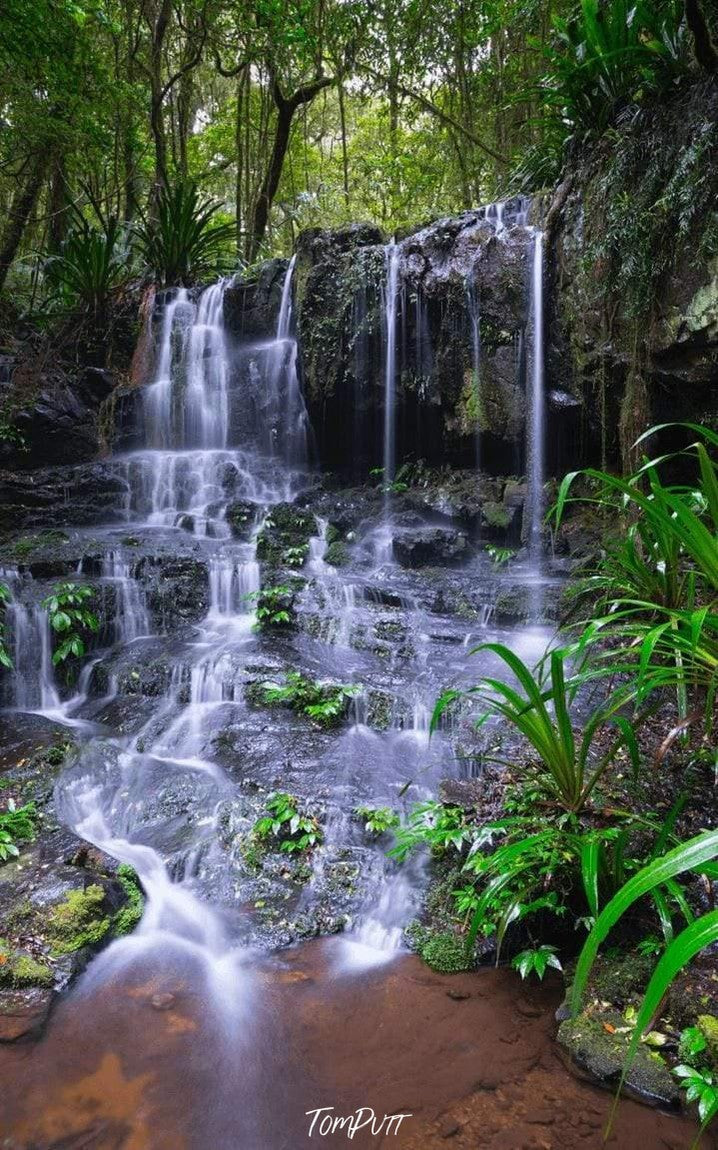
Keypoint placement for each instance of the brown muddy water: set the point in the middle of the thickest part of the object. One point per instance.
(142, 1062)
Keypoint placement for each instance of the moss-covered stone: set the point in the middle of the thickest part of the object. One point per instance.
(19, 970)
(126, 919)
(598, 1047)
(446, 952)
(79, 921)
(708, 1026)
(337, 554)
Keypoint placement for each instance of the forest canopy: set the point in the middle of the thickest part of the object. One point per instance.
(286, 114)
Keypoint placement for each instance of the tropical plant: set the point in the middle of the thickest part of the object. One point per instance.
(180, 241)
(696, 855)
(439, 826)
(500, 556)
(325, 703)
(70, 616)
(16, 824)
(274, 607)
(289, 827)
(606, 56)
(536, 961)
(377, 820)
(90, 265)
(540, 710)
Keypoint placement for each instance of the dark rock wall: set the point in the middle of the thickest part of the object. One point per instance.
(633, 277)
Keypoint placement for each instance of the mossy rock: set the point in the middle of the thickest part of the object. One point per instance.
(19, 970)
(597, 1046)
(337, 554)
(708, 1026)
(126, 919)
(79, 921)
(446, 953)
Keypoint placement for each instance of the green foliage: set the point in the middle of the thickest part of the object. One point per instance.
(608, 56)
(69, 617)
(536, 961)
(657, 586)
(17, 824)
(701, 1086)
(541, 712)
(286, 827)
(90, 266)
(79, 921)
(275, 607)
(5, 660)
(500, 556)
(325, 703)
(180, 241)
(440, 827)
(377, 820)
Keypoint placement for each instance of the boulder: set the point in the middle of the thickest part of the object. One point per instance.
(429, 546)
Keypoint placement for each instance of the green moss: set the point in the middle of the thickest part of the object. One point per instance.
(78, 921)
(708, 1026)
(496, 515)
(128, 917)
(19, 970)
(337, 554)
(446, 952)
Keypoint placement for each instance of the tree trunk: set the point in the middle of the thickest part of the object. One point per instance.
(21, 209)
(282, 132)
(59, 207)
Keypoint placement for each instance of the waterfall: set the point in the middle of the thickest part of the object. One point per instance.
(536, 405)
(131, 617)
(33, 680)
(474, 309)
(288, 418)
(206, 399)
(391, 293)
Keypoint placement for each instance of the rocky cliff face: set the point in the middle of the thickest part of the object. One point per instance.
(633, 277)
(461, 308)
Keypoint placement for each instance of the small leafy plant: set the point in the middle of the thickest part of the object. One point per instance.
(541, 711)
(89, 267)
(17, 824)
(500, 556)
(285, 826)
(5, 660)
(275, 607)
(70, 616)
(536, 961)
(325, 703)
(377, 820)
(181, 241)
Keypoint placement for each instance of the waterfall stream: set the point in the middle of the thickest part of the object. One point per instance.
(175, 762)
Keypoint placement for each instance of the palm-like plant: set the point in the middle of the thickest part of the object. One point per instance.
(606, 54)
(89, 267)
(695, 855)
(180, 241)
(540, 710)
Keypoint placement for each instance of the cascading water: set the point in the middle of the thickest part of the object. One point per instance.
(391, 299)
(474, 309)
(536, 405)
(288, 418)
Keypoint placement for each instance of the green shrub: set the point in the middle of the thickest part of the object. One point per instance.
(180, 241)
(286, 826)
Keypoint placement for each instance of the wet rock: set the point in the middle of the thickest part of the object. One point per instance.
(427, 546)
(241, 515)
(40, 498)
(59, 424)
(284, 538)
(162, 1001)
(601, 1055)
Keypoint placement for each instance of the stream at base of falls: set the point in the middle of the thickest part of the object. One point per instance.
(139, 1063)
(222, 1018)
